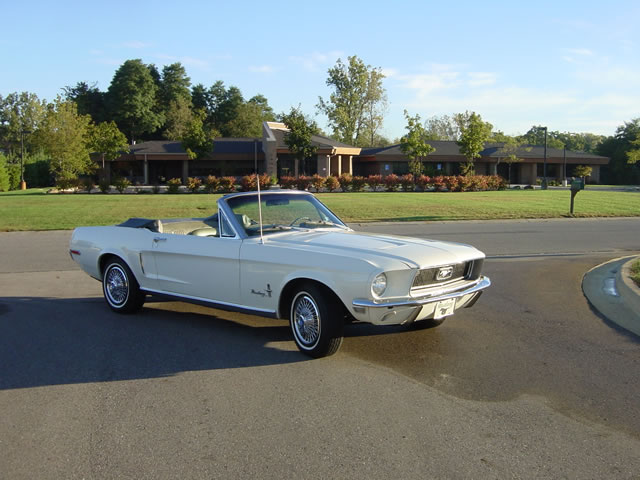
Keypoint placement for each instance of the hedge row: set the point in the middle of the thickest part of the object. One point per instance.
(345, 182)
(394, 183)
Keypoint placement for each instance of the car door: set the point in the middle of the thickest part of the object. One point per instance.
(204, 268)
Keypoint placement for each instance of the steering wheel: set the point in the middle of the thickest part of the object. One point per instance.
(298, 219)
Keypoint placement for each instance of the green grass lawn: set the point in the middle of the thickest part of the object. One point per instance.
(635, 272)
(36, 210)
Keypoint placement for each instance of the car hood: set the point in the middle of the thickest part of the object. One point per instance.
(375, 248)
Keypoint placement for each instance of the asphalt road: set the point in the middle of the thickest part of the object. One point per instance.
(529, 383)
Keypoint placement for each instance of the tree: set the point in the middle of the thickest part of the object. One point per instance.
(64, 135)
(582, 171)
(535, 136)
(298, 139)
(4, 174)
(357, 89)
(414, 144)
(19, 112)
(375, 108)
(508, 151)
(178, 117)
(107, 140)
(621, 148)
(442, 128)
(174, 84)
(249, 117)
(132, 99)
(633, 155)
(473, 134)
(89, 99)
(198, 139)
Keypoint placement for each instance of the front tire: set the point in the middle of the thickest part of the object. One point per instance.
(120, 288)
(315, 321)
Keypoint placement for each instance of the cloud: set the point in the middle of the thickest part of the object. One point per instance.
(576, 55)
(135, 44)
(316, 60)
(262, 69)
(479, 79)
(424, 84)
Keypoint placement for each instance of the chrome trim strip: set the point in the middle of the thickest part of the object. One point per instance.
(213, 303)
(481, 284)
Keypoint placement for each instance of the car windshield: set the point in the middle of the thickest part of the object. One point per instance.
(282, 211)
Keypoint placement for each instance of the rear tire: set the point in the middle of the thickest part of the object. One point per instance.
(316, 321)
(120, 288)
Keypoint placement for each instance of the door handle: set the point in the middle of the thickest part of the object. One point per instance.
(159, 239)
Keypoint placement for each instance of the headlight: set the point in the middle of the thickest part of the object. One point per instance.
(379, 285)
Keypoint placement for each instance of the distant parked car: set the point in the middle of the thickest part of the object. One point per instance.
(291, 258)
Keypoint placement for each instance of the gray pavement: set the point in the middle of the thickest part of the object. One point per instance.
(610, 290)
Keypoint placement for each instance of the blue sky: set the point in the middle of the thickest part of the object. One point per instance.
(571, 65)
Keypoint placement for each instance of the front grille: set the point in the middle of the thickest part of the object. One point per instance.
(429, 276)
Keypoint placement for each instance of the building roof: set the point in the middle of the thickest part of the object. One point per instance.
(174, 147)
(444, 148)
(321, 142)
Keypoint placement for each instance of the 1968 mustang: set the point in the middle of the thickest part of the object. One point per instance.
(282, 254)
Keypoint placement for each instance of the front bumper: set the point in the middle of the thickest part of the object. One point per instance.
(410, 309)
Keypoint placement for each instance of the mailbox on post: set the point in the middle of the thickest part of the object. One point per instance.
(576, 185)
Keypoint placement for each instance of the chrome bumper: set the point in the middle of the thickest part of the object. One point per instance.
(481, 284)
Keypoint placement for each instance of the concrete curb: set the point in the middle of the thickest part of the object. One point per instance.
(627, 287)
(609, 294)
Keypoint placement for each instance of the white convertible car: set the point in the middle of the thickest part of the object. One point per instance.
(282, 254)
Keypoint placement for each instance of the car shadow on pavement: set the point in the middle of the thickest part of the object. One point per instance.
(54, 341)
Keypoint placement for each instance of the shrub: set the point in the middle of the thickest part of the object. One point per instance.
(104, 186)
(345, 181)
(288, 182)
(452, 183)
(228, 184)
(87, 184)
(465, 183)
(211, 184)
(375, 182)
(391, 182)
(331, 183)
(318, 182)
(121, 184)
(423, 182)
(303, 182)
(67, 183)
(439, 183)
(266, 181)
(407, 182)
(248, 183)
(496, 182)
(358, 183)
(194, 184)
(173, 185)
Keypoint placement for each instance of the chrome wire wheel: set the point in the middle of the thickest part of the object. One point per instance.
(306, 320)
(116, 285)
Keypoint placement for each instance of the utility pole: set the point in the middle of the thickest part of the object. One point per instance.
(544, 168)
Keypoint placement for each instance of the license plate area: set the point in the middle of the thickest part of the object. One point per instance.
(444, 308)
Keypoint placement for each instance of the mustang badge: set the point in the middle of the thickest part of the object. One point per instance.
(444, 273)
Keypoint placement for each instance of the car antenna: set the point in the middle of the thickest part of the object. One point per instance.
(255, 153)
